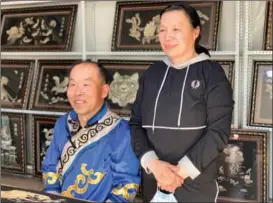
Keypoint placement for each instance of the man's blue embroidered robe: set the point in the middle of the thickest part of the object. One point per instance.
(95, 162)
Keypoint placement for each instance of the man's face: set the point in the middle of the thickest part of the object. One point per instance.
(86, 90)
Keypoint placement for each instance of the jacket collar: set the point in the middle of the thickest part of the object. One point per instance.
(73, 121)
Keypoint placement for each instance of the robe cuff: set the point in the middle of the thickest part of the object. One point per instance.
(188, 166)
(148, 156)
(54, 192)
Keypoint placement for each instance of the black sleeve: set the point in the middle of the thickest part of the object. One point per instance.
(139, 139)
(219, 116)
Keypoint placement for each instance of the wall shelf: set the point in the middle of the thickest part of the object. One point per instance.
(33, 112)
(106, 53)
(41, 53)
(260, 53)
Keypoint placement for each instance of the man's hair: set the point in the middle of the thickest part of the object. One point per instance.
(102, 71)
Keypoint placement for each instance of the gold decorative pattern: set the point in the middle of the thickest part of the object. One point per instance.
(84, 178)
(53, 178)
(124, 191)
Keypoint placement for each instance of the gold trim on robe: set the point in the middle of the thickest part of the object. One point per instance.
(50, 178)
(124, 191)
(85, 179)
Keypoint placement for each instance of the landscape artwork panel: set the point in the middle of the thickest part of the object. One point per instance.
(12, 143)
(242, 172)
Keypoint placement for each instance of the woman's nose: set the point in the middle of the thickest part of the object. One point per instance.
(168, 35)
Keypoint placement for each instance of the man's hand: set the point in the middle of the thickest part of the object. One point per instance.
(167, 175)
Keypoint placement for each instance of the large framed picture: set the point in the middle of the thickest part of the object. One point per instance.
(12, 143)
(136, 25)
(16, 77)
(268, 26)
(43, 129)
(243, 173)
(261, 102)
(48, 28)
(228, 67)
(50, 85)
(124, 84)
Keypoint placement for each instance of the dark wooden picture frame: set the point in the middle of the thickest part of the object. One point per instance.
(261, 101)
(136, 25)
(243, 168)
(16, 77)
(49, 28)
(43, 129)
(228, 67)
(50, 85)
(13, 143)
(125, 75)
(268, 26)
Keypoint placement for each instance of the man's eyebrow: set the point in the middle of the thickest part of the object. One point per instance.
(89, 78)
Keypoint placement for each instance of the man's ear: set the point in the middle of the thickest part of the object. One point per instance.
(105, 90)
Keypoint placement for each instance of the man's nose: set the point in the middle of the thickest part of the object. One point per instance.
(78, 90)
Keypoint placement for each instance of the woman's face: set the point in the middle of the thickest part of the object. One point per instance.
(177, 36)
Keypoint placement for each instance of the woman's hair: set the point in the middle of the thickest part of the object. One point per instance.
(194, 20)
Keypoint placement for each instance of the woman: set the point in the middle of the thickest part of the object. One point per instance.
(182, 114)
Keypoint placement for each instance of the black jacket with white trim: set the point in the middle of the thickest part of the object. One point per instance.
(183, 115)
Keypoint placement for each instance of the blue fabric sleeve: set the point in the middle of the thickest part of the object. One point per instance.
(50, 175)
(125, 167)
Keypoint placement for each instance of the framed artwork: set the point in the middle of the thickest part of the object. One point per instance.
(124, 84)
(242, 172)
(268, 26)
(47, 28)
(16, 77)
(50, 85)
(12, 143)
(228, 67)
(43, 128)
(261, 101)
(136, 25)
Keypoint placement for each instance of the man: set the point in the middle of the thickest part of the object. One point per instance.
(90, 156)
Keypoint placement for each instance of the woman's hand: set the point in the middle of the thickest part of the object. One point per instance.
(182, 172)
(166, 174)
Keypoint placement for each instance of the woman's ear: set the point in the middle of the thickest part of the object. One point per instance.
(196, 32)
